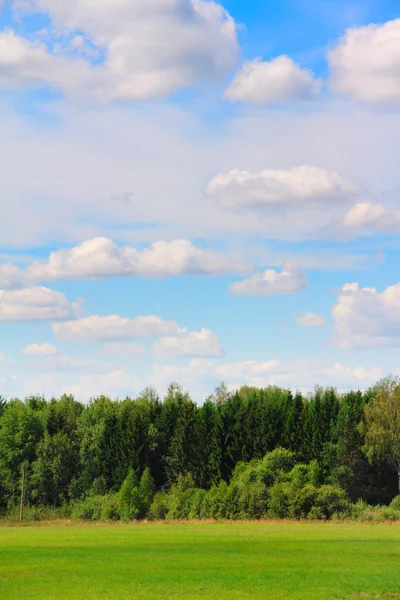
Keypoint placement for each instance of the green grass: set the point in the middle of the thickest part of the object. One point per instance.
(232, 561)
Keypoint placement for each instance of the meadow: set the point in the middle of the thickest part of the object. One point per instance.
(235, 561)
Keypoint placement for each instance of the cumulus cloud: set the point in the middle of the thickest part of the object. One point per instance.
(310, 319)
(25, 63)
(272, 82)
(100, 257)
(299, 187)
(202, 375)
(366, 63)
(290, 280)
(39, 350)
(367, 318)
(372, 217)
(192, 343)
(12, 276)
(36, 304)
(150, 48)
(118, 383)
(111, 328)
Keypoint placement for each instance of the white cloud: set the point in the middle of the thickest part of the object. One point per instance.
(100, 257)
(290, 280)
(25, 63)
(117, 383)
(112, 328)
(366, 63)
(272, 82)
(367, 318)
(298, 187)
(310, 319)
(122, 349)
(192, 343)
(96, 173)
(12, 276)
(151, 47)
(372, 217)
(201, 376)
(36, 304)
(39, 350)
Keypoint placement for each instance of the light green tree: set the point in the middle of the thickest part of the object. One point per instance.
(382, 424)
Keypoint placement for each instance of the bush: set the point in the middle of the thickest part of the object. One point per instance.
(395, 503)
(279, 500)
(159, 507)
(110, 509)
(89, 509)
(303, 500)
(128, 497)
(276, 463)
(331, 499)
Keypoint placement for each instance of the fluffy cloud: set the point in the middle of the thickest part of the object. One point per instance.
(99, 172)
(117, 383)
(200, 376)
(39, 350)
(297, 188)
(367, 318)
(100, 257)
(366, 63)
(36, 304)
(26, 63)
(290, 280)
(111, 328)
(192, 343)
(272, 82)
(12, 276)
(310, 320)
(150, 48)
(372, 217)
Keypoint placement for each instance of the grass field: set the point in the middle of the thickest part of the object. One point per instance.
(221, 561)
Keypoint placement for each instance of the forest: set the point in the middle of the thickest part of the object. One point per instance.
(253, 453)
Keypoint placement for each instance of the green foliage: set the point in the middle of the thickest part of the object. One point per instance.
(53, 469)
(395, 503)
(247, 454)
(135, 498)
(159, 507)
(382, 424)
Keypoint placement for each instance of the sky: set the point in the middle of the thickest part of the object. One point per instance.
(197, 192)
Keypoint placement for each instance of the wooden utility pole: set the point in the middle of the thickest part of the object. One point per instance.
(21, 508)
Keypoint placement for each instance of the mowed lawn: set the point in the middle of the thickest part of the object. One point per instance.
(223, 561)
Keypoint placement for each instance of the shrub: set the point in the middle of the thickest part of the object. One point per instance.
(395, 503)
(159, 507)
(302, 501)
(279, 500)
(331, 499)
(110, 508)
(88, 509)
(128, 497)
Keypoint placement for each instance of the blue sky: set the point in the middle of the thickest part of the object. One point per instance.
(196, 191)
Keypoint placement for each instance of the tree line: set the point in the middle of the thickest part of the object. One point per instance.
(139, 455)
